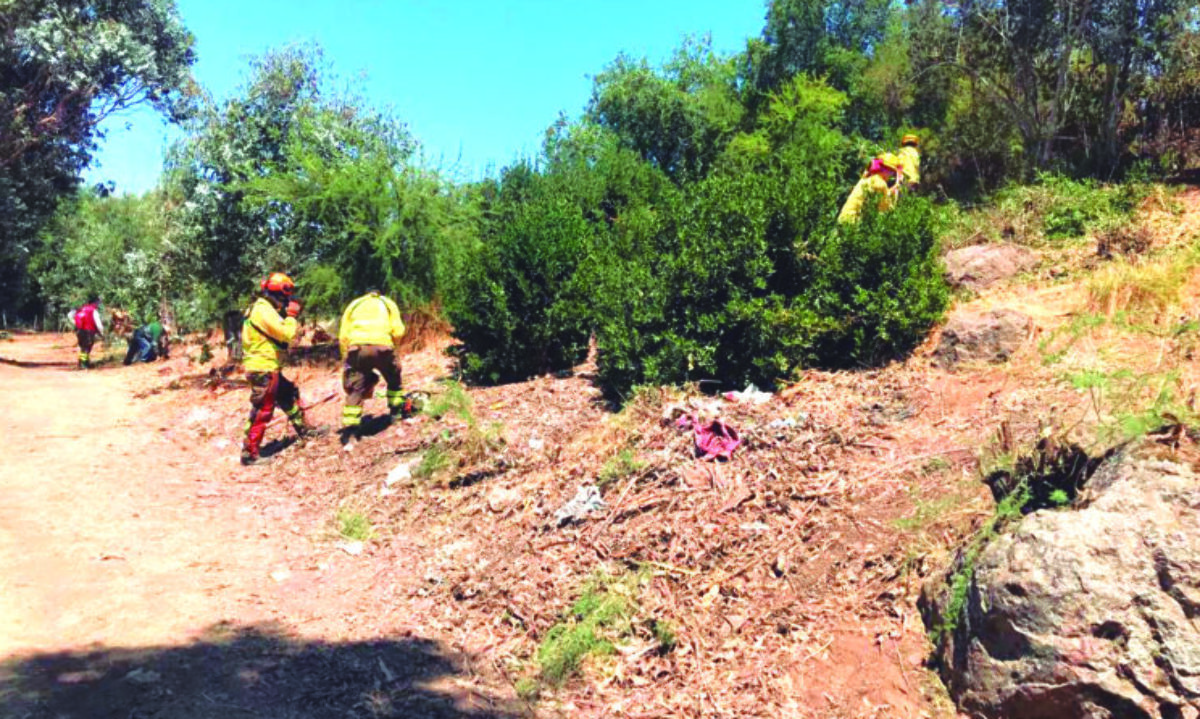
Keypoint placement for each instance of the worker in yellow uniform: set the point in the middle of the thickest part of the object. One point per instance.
(885, 177)
(367, 336)
(265, 337)
(910, 160)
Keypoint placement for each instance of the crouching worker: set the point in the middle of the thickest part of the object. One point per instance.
(367, 336)
(88, 326)
(148, 343)
(265, 337)
(884, 179)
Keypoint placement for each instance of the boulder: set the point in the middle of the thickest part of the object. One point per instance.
(980, 266)
(987, 336)
(1087, 612)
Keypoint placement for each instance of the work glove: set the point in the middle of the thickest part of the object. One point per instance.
(293, 308)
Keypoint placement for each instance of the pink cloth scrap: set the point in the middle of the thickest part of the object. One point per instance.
(715, 440)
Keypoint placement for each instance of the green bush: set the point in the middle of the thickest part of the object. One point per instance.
(877, 288)
(513, 314)
(754, 279)
(740, 276)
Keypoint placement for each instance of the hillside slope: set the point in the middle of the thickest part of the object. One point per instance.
(780, 583)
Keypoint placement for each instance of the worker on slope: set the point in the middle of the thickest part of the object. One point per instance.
(265, 337)
(148, 343)
(886, 176)
(910, 159)
(88, 326)
(370, 328)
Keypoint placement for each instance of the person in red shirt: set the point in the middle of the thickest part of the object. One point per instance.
(88, 326)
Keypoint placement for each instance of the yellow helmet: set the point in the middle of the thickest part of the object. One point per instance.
(910, 139)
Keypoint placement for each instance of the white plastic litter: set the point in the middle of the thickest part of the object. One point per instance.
(750, 395)
(352, 548)
(586, 501)
(400, 473)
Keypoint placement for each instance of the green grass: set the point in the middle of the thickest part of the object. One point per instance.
(528, 689)
(434, 461)
(1054, 211)
(620, 466)
(600, 617)
(928, 512)
(354, 525)
(936, 465)
(664, 634)
(454, 401)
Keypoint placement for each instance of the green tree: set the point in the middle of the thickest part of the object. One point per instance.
(678, 117)
(66, 66)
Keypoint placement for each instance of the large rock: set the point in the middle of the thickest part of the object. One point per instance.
(987, 336)
(1087, 612)
(979, 266)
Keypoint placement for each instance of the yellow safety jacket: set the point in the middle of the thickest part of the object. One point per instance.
(370, 321)
(871, 184)
(265, 337)
(910, 157)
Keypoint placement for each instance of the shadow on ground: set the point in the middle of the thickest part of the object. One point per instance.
(257, 671)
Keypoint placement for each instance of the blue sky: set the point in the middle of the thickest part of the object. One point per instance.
(477, 82)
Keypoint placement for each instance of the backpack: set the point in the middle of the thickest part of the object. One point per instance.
(85, 318)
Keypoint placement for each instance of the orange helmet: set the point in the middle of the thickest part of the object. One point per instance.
(910, 139)
(280, 283)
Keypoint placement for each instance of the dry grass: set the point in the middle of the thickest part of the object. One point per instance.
(1150, 292)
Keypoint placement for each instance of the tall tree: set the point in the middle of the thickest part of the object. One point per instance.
(66, 66)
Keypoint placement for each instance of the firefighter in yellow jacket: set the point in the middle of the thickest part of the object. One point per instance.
(265, 337)
(886, 176)
(367, 336)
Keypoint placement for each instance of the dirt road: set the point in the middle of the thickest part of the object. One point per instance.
(120, 554)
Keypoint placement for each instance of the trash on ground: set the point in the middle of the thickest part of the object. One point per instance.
(354, 548)
(586, 501)
(400, 473)
(750, 395)
(714, 440)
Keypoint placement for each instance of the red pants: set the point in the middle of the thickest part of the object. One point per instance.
(268, 389)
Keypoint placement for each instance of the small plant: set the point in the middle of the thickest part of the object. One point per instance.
(664, 634)
(621, 465)
(454, 401)
(935, 465)
(927, 513)
(354, 525)
(1048, 476)
(599, 617)
(528, 689)
(435, 460)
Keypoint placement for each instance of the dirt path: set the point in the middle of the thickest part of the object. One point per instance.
(100, 539)
(120, 553)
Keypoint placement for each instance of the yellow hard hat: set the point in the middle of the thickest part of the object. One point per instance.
(910, 139)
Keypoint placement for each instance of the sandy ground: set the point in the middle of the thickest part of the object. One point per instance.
(121, 553)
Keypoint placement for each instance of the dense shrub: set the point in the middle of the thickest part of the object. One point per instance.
(715, 309)
(877, 288)
(513, 314)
